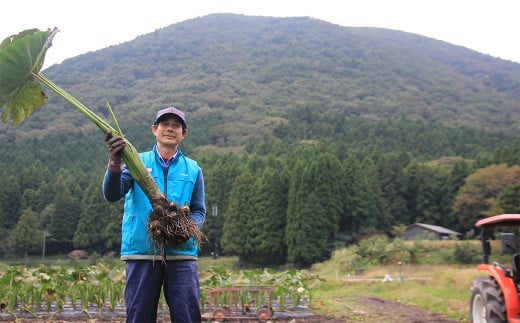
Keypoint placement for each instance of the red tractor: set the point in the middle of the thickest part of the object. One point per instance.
(495, 297)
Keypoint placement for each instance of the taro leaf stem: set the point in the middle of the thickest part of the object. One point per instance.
(109, 108)
(130, 155)
(102, 124)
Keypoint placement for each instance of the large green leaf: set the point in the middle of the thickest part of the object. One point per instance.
(22, 56)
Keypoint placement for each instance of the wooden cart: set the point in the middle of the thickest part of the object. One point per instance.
(240, 302)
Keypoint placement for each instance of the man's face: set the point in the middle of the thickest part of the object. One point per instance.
(169, 132)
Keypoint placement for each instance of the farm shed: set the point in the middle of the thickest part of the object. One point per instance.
(423, 231)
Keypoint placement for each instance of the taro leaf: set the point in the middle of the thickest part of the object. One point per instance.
(22, 56)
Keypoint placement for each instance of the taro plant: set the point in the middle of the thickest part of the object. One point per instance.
(31, 290)
(21, 59)
(99, 288)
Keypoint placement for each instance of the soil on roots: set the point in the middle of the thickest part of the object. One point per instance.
(169, 224)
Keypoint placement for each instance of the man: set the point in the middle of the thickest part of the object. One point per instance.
(180, 180)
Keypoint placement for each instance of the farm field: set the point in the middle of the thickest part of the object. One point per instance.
(332, 291)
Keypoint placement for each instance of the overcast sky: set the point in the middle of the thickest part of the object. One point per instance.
(489, 27)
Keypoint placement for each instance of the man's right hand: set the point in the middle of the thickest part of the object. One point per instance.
(115, 146)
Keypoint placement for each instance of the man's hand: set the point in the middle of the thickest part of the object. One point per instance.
(115, 146)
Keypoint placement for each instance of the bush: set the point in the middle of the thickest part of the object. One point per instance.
(373, 249)
(466, 253)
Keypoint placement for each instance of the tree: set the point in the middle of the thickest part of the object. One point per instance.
(508, 154)
(236, 238)
(390, 168)
(26, 237)
(461, 169)
(328, 173)
(314, 210)
(38, 198)
(220, 171)
(304, 237)
(10, 202)
(429, 196)
(33, 174)
(94, 231)
(509, 199)
(295, 197)
(359, 200)
(67, 212)
(481, 191)
(269, 201)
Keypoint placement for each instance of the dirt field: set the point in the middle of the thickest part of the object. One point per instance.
(365, 309)
(371, 309)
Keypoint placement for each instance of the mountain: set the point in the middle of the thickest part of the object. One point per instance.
(334, 130)
(240, 77)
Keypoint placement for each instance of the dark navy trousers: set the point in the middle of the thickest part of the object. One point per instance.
(179, 281)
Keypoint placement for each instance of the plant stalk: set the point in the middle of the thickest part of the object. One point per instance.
(129, 154)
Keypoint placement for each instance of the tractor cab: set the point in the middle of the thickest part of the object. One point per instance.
(495, 296)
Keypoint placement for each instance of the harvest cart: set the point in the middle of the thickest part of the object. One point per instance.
(240, 303)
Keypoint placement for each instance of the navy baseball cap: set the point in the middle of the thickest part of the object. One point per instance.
(171, 110)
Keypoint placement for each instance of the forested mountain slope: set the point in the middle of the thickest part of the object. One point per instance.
(239, 76)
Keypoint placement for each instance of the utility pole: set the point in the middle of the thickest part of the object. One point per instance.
(45, 233)
(214, 212)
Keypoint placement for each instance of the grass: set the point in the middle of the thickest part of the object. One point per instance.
(206, 263)
(443, 290)
(433, 285)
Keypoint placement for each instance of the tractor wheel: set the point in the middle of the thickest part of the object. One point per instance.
(487, 303)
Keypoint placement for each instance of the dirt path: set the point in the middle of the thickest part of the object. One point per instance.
(372, 309)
